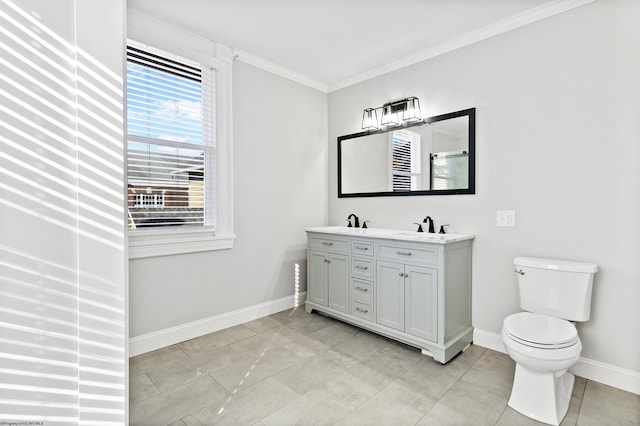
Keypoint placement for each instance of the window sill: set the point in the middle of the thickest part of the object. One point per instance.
(145, 245)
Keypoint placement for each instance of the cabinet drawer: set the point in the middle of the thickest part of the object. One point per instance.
(362, 248)
(362, 267)
(362, 289)
(329, 244)
(362, 310)
(408, 254)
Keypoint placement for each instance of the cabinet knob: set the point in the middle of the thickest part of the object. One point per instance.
(406, 275)
(401, 274)
(327, 261)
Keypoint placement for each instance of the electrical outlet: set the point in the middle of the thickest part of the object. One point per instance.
(506, 218)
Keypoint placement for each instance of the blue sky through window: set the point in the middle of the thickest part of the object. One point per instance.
(161, 105)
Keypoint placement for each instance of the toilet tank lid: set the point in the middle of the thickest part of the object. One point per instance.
(555, 264)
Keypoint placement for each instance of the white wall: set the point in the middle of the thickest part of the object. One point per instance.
(280, 161)
(63, 337)
(557, 141)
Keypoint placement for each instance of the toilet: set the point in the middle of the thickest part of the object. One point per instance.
(543, 341)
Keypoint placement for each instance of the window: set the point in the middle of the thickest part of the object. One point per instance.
(178, 171)
(170, 141)
(405, 160)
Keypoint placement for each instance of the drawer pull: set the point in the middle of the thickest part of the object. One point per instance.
(362, 289)
(364, 311)
(362, 267)
(326, 243)
(362, 248)
(404, 253)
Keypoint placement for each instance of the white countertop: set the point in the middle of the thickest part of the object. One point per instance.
(392, 234)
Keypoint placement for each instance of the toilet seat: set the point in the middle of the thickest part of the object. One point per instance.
(540, 331)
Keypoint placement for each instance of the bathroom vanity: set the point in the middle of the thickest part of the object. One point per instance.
(411, 287)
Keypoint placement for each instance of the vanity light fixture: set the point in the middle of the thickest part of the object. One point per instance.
(392, 113)
(370, 119)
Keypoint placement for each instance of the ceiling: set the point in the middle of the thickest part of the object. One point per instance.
(329, 44)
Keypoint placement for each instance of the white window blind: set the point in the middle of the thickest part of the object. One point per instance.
(171, 140)
(405, 160)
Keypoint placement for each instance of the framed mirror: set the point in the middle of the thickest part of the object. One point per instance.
(435, 156)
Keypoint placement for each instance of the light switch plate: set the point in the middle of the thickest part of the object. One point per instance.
(506, 218)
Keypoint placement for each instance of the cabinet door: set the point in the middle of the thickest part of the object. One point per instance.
(390, 294)
(338, 280)
(317, 290)
(421, 302)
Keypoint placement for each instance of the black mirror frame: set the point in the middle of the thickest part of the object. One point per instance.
(471, 113)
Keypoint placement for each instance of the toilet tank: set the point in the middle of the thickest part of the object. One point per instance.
(559, 288)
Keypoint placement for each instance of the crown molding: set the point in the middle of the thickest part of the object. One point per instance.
(263, 64)
(516, 21)
(533, 15)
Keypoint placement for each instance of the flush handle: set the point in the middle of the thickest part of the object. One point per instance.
(521, 272)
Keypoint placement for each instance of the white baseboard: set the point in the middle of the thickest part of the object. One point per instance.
(170, 336)
(597, 371)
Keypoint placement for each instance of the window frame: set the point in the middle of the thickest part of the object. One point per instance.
(164, 241)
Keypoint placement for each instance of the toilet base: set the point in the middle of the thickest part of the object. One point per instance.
(544, 397)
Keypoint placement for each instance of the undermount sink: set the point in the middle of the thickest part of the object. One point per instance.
(426, 236)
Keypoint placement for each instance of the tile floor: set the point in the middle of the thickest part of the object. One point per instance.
(299, 368)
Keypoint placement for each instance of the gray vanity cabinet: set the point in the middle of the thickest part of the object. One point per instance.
(412, 288)
(408, 299)
(328, 283)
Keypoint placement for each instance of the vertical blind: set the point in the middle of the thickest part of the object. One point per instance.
(170, 127)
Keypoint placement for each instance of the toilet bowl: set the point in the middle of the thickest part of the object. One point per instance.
(543, 348)
(542, 340)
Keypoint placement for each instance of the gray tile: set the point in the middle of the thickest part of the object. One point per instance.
(602, 404)
(245, 407)
(325, 405)
(249, 369)
(331, 336)
(263, 324)
(191, 369)
(434, 379)
(299, 368)
(404, 351)
(493, 371)
(310, 323)
(397, 404)
(376, 372)
(290, 315)
(177, 403)
(265, 341)
(211, 341)
(479, 397)
(141, 388)
(362, 345)
(313, 371)
(157, 359)
(465, 405)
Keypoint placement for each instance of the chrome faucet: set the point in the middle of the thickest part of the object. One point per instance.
(356, 221)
